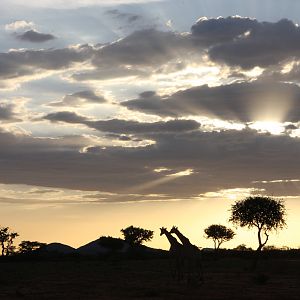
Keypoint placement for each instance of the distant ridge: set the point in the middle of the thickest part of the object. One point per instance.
(59, 248)
(98, 247)
(106, 245)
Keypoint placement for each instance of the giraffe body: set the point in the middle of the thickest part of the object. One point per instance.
(192, 254)
(176, 253)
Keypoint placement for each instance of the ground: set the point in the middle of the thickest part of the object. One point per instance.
(225, 278)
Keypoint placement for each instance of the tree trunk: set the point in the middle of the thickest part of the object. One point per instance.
(3, 248)
(261, 245)
(259, 240)
(215, 244)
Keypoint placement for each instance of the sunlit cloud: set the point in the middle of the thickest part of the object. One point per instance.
(186, 172)
(271, 127)
(162, 169)
(231, 194)
(278, 181)
(19, 25)
(209, 124)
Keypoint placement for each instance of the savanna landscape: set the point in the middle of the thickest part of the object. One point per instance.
(149, 149)
(114, 268)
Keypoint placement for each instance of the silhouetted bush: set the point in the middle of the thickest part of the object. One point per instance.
(242, 247)
(111, 243)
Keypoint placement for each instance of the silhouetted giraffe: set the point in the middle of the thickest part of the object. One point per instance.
(192, 254)
(176, 252)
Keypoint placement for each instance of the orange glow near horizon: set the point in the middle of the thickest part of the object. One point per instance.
(78, 224)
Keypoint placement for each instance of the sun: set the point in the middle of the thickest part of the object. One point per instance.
(272, 127)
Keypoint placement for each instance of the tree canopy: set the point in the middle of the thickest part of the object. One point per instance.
(264, 213)
(136, 235)
(219, 234)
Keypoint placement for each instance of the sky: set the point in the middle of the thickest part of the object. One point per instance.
(147, 113)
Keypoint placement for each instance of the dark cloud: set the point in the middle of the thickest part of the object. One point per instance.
(79, 99)
(220, 30)
(122, 126)
(125, 126)
(128, 17)
(35, 36)
(281, 189)
(266, 44)
(278, 73)
(220, 160)
(66, 116)
(15, 64)
(7, 113)
(245, 102)
(123, 137)
(139, 54)
(291, 127)
(144, 48)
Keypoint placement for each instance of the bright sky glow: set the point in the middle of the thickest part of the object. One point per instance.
(271, 127)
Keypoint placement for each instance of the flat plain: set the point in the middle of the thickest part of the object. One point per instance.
(224, 278)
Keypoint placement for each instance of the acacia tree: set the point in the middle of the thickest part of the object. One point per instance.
(264, 213)
(6, 240)
(137, 235)
(219, 234)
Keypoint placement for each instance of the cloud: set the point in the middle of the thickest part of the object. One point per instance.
(122, 126)
(139, 54)
(17, 65)
(35, 36)
(13, 110)
(244, 102)
(125, 126)
(128, 17)
(234, 41)
(66, 116)
(20, 24)
(220, 30)
(264, 45)
(79, 99)
(219, 160)
(143, 48)
(8, 113)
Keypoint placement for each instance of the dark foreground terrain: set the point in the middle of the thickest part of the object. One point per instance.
(225, 278)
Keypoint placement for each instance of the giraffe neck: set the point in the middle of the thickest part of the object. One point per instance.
(172, 240)
(184, 240)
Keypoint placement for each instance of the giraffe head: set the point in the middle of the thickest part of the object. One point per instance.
(174, 229)
(163, 230)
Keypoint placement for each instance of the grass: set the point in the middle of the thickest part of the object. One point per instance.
(225, 278)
